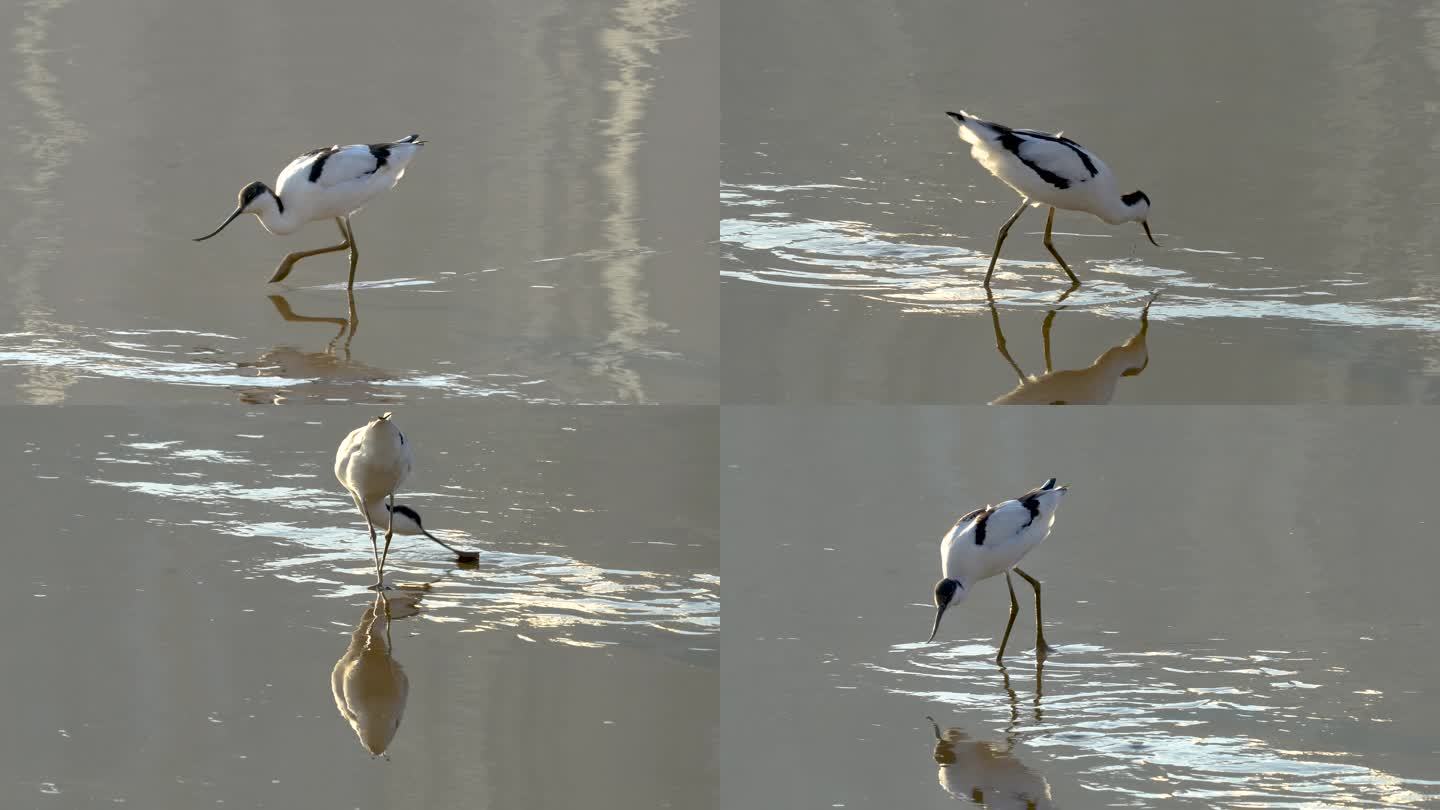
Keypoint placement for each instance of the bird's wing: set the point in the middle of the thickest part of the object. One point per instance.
(1004, 521)
(303, 164)
(963, 528)
(338, 164)
(1058, 160)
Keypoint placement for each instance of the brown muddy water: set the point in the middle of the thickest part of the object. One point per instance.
(1292, 160)
(1241, 599)
(549, 244)
(190, 625)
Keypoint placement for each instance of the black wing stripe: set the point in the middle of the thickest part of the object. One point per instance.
(1084, 156)
(381, 153)
(1011, 142)
(1061, 139)
(982, 525)
(318, 167)
(1032, 505)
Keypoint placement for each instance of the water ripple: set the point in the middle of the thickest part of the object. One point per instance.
(1154, 726)
(522, 582)
(276, 375)
(927, 271)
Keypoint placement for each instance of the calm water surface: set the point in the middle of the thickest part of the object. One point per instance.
(192, 606)
(1240, 601)
(549, 244)
(1294, 172)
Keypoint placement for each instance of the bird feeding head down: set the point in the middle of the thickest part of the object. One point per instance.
(1137, 209)
(256, 199)
(950, 592)
(405, 520)
(947, 592)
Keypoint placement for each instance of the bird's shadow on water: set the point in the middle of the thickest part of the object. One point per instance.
(1163, 724)
(331, 371)
(989, 772)
(1093, 385)
(369, 685)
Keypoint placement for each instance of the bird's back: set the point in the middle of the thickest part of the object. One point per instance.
(374, 460)
(990, 541)
(333, 178)
(1039, 165)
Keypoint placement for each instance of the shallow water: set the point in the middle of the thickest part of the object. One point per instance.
(1298, 259)
(533, 251)
(184, 592)
(1240, 602)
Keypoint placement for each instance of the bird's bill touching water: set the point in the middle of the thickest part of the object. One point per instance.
(939, 612)
(460, 556)
(238, 211)
(1144, 223)
(945, 591)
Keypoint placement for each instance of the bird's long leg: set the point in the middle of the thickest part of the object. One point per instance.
(1014, 610)
(389, 533)
(1000, 238)
(1041, 648)
(1000, 339)
(1045, 337)
(289, 261)
(370, 526)
(354, 250)
(1050, 246)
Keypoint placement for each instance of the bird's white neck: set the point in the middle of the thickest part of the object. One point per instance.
(380, 517)
(276, 217)
(1115, 211)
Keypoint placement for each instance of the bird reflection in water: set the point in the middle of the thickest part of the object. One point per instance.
(1093, 385)
(987, 772)
(369, 685)
(332, 366)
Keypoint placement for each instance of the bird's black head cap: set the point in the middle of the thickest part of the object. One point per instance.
(1135, 197)
(945, 591)
(250, 192)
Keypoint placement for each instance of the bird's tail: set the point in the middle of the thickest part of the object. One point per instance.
(415, 139)
(974, 130)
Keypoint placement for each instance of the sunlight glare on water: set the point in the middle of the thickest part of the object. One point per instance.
(522, 581)
(771, 243)
(1140, 723)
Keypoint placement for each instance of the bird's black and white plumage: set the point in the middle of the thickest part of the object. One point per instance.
(407, 522)
(990, 541)
(1053, 170)
(339, 180)
(333, 182)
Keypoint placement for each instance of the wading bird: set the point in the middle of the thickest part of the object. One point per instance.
(330, 183)
(372, 462)
(990, 541)
(1051, 170)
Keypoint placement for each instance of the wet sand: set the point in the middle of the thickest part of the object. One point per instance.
(1290, 171)
(185, 592)
(1240, 599)
(547, 245)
